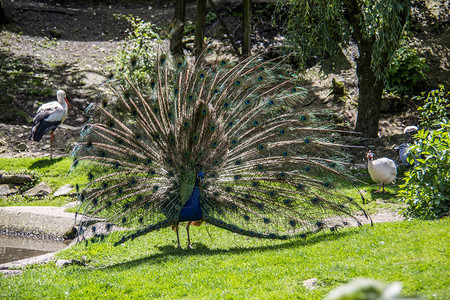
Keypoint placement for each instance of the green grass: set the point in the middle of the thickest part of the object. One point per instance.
(231, 266)
(55, 173)
(228, 266)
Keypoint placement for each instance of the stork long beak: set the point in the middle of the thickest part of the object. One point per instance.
(68, 104)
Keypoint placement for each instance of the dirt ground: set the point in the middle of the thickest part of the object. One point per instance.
(72, 46)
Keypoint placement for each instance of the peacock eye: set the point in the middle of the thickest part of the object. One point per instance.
(220, 133)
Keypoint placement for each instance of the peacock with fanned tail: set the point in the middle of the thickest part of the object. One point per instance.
(229, 144)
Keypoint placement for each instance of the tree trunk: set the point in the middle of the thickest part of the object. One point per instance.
(3, 19)
(199, 27)
(246, 22)
(370, 89)
(176, 41)
(370, 92)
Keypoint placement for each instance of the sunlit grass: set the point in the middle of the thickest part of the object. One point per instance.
(226, 265)
(236, 267)
(54, 173)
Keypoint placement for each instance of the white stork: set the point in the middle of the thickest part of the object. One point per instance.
(48, 117)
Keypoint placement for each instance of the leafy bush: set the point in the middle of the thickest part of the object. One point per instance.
(137, 58)
(426, 188)
(406, 72)
(436, 107)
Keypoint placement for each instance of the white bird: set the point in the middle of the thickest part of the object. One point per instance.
(382, 170)
(410, 129)
(48, 117)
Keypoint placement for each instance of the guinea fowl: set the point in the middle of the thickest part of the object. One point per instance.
(229, 144)
(382, 170)
(403, 153)
(48, 117)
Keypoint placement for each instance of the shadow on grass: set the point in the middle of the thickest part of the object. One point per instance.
(387, 196)
(201, 249)
(45, 162)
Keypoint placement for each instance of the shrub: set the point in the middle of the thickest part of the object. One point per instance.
(136, 60)
(436, 107)
(406, 72)
(426, 188)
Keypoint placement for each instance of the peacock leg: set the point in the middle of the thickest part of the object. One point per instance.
(175, 227)
(187, 229)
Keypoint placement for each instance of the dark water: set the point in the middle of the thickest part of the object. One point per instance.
(8, 254)
(14, 248)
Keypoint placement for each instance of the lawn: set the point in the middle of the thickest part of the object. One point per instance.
(225, 265)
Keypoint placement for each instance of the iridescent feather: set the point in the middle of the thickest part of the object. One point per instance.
(267, 164)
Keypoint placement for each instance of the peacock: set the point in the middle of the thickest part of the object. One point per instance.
(235, 144)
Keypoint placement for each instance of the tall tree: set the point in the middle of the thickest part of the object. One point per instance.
(246, 22)
(199, 27)
(3, 19)
(322, 28)
(176, 41)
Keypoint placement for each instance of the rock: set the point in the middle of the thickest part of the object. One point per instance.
(63, 263)
(55, 33)
(6, 190)
(15, 178)
(21, 147)
(310, 284)
(68, 262)
(70, 235)
(63, 191)
(43, 221)
(40, 190)
(71, 204)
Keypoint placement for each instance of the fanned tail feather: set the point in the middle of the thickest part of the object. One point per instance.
(269, 166)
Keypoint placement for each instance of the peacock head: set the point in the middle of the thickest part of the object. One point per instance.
(369, 155)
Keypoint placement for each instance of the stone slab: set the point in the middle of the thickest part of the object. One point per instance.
(44, 221)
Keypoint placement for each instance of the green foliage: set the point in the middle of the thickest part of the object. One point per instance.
(320, 29)
(229, 266)
(314, 28)
(406, 72)
(338, 90)
(210, 16)
(436, 107)
(426, 188)
(137, 58)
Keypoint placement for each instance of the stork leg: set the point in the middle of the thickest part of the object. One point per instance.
(52, 137)
(188, 238)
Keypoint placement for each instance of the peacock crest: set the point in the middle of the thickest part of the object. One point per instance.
(227, 143)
